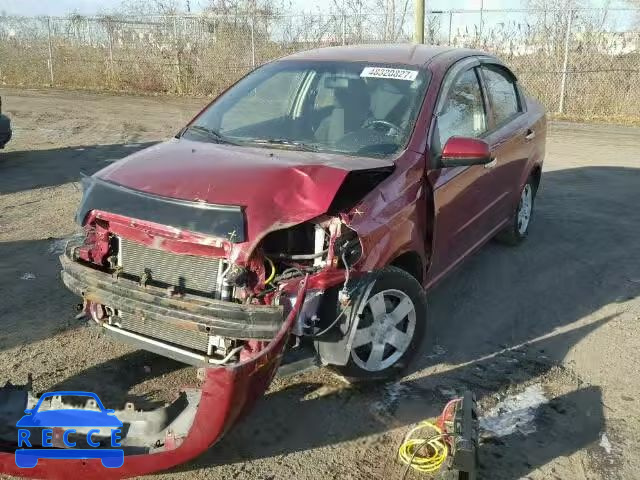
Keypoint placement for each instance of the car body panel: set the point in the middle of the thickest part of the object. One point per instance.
(439, 216)
(471, 204)
(227, 393)
(251, 178)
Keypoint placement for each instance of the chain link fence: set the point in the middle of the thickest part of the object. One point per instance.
(583, 62)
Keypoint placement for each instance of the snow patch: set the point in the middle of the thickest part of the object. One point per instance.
(27, 276)
(514, 413)
(605, 443)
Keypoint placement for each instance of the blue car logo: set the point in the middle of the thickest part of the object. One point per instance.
(88, 424)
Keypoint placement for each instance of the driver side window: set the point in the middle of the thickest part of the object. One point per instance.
(463, 113)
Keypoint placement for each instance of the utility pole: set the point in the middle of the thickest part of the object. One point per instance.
(481, 18)
(418, 34)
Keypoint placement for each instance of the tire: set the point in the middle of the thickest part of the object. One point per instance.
(518, 229)
(383, 344)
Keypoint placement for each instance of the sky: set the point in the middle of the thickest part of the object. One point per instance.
(91, 7)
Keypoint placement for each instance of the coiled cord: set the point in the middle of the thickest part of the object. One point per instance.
(427, 455)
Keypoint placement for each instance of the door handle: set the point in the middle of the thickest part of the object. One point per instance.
(530, 135)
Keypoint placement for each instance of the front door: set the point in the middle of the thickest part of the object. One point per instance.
(464, 200)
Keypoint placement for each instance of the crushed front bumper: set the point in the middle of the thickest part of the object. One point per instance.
(162, 312)
(226, 394)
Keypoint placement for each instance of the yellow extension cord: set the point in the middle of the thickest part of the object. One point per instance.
(425, 455)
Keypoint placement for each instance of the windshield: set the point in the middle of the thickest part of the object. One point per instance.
(344, 107)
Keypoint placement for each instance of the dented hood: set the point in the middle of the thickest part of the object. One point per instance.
(275, 187)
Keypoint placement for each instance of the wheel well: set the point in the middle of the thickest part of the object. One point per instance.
(536, 175)
(411, 263)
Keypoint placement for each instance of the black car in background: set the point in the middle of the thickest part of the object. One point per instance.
(5, 128)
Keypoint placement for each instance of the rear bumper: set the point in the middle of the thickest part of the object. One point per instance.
(5, 130)
(160, 312)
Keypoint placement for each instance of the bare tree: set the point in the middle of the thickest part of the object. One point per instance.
(149, 7)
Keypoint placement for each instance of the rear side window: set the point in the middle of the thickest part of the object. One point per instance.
(463, 113)
(503, 94)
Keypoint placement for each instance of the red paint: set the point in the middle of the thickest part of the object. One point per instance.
(227, 394)
(465, 148)
(278, 188)
(437, 215)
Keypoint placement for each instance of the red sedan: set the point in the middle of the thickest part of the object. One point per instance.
(307, 208)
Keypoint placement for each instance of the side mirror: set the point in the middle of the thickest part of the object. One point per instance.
(463, 151)
(28, 411)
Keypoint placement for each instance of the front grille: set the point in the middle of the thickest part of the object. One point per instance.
(165, 331)
(189, 273)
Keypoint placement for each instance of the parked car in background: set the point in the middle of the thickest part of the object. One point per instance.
(308, 206)
(5, 128)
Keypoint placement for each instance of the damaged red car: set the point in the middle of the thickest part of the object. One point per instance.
(298, 220)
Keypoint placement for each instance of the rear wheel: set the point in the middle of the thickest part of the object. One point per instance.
(518, 229)
(391, 326)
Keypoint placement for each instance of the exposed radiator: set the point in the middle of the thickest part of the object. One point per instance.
(186, 272)
(165, 332)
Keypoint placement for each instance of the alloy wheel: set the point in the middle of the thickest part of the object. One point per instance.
(524, 209)
(385, 330)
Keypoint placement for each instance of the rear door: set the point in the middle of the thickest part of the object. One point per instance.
(509, 138)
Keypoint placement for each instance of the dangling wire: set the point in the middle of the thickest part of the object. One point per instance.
(273, 271)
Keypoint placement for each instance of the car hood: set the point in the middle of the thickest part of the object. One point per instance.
(276, 187)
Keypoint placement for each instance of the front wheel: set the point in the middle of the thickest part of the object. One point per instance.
(518, 229)
(391, 326)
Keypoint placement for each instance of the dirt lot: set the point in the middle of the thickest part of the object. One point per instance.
(557, 316)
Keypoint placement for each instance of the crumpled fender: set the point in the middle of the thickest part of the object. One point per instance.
(227, 394)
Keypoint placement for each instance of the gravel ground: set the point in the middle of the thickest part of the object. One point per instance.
(557, 316)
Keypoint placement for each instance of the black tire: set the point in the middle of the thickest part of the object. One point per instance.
(513, 234)
(391, 279)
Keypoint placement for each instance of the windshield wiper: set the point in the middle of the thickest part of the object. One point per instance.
(210, 133)
(286, 143)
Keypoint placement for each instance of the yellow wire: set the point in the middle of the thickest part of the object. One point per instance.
(424, 455)
(273, 271)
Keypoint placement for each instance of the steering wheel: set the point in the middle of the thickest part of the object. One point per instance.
(373, 124)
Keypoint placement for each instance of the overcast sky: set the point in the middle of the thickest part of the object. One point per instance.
(90, 7)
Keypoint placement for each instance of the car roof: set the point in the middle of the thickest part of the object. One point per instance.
(402, 53)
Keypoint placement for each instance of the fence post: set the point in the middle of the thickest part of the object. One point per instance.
(50, 50)
(177, 47)
(253, 42)
(110, 34)
(565, 63)
(418, 29)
